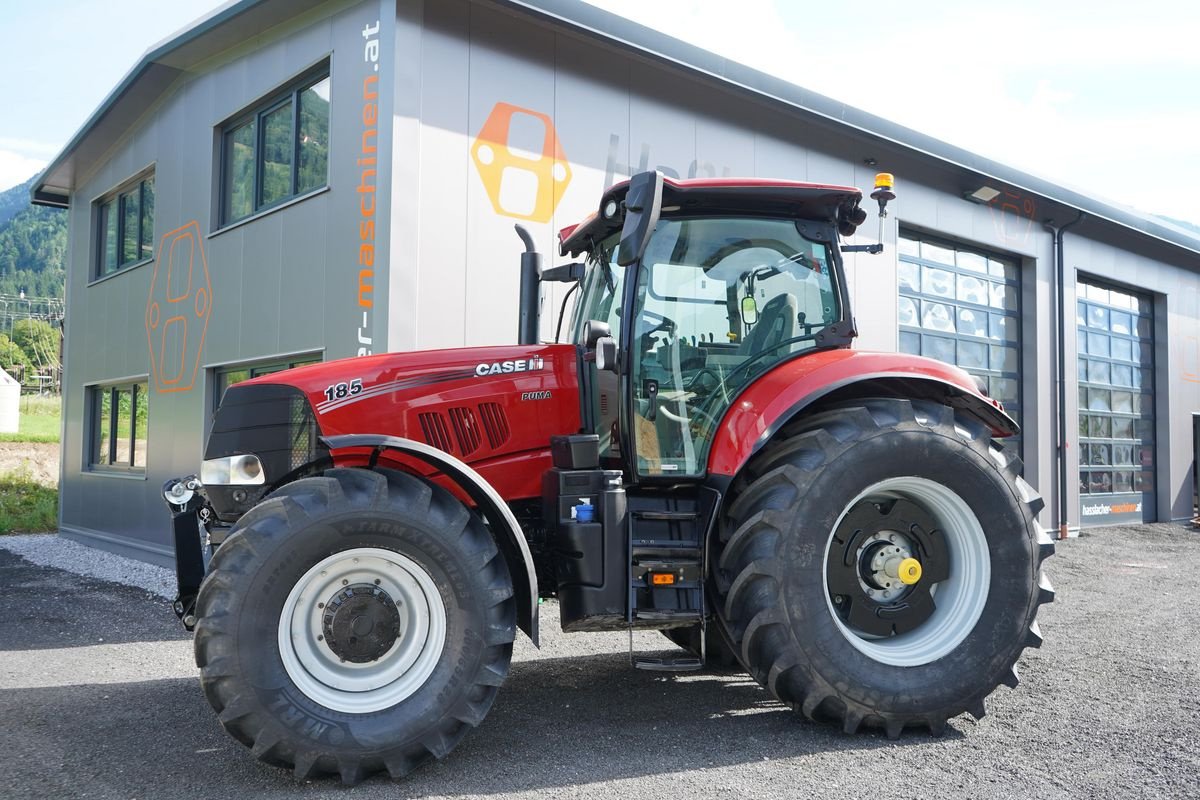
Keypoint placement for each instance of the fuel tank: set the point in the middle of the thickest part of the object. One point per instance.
(492, 407)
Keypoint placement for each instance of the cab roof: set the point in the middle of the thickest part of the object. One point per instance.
(719, 195)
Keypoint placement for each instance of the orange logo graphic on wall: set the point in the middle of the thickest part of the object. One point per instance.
(178, 309)
(521, 162)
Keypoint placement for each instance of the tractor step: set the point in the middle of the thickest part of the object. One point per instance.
(680, 663)
(669, 516)
(666, 564)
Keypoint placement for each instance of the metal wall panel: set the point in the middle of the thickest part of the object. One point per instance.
(269, 291)
(446, 269)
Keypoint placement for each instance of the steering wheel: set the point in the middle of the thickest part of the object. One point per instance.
(744, 366)
(700, 373)
(663, 323)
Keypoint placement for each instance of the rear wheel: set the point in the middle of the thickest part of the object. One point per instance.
(353, 623)
(880, 565)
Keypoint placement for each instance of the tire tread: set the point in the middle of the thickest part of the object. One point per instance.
(748, 577)
(337, 490)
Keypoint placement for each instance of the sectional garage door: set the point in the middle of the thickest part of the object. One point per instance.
(1116, 404)
(962, 306)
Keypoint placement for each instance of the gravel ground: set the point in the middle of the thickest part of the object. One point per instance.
(99, 699)
(48, 550)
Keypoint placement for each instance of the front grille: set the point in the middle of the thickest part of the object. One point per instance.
(303, 432)
(273, 421)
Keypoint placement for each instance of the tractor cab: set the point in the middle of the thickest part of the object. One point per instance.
(697, 287)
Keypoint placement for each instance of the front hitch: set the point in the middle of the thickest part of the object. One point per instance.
(189, 517)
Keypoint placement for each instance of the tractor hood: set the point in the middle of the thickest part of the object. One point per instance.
(491, 407)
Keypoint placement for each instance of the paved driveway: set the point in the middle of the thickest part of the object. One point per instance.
(99, 699)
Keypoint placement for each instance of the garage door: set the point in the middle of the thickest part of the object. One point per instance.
(962, 306)
(1116, 404)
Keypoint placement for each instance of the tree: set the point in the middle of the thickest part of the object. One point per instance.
(33, 246)
(12, 358)
(39, 340)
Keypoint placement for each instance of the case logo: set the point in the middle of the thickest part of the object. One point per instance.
(503, 367)
(521, 182)
(178, 309)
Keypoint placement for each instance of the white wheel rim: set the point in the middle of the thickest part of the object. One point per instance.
(361, 688)
(960, 598)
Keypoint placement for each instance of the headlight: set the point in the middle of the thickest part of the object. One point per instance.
(244, 470)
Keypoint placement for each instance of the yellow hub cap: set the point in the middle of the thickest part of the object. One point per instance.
(909, 571)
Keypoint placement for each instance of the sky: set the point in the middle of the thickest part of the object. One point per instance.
(1099, 96)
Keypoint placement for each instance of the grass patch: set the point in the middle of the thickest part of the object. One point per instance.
(27, 506)
(40, 420)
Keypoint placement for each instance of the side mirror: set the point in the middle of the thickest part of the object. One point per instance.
(749, 310)
(593, 331)
(643, 203)
(606, 354)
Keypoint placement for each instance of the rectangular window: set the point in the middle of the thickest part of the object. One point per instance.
(120, 424)
(277, 150)
(125, 227)
(228, 376)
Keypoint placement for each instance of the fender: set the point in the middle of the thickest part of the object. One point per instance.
(504, 526)
(785, 391)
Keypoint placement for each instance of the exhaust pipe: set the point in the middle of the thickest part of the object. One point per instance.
(531, 290)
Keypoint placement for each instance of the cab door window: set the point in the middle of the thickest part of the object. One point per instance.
(720, 300)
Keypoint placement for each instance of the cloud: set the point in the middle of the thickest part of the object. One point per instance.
(32, 148)
(16, 168)
(1076, 92)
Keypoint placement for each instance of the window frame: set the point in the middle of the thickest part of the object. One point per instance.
(116, 197)
(94, 393)
(290, 92)
(257, 369)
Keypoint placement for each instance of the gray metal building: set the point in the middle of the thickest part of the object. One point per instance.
(295, 180)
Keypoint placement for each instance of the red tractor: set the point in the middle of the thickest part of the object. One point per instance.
(706, 457)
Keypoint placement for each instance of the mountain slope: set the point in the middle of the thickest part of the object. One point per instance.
(33, 245)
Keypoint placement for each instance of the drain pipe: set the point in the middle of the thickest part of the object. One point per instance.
(1060, 287)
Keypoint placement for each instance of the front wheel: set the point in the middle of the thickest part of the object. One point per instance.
(880, 565)
(352, 623)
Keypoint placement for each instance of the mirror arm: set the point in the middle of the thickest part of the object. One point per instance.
(564, 273)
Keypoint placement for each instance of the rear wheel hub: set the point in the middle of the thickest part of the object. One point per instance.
(875, 540)
(907, 570)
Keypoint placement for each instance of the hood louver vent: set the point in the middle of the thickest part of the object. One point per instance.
(433, 427)
(495, 424)
(465, 430)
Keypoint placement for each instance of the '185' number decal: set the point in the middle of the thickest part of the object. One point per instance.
(342, 390)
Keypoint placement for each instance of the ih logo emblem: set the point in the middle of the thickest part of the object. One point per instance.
(522, 165)
(178, 309)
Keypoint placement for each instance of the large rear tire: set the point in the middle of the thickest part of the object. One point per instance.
(353, 623)
(816, 581)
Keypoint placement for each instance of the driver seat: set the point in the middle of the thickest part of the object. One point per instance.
(778, 321)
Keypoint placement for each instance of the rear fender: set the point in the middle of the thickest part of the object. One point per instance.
(503, 525)
(799, 386)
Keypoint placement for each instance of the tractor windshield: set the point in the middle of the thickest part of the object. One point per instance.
(721, 300)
